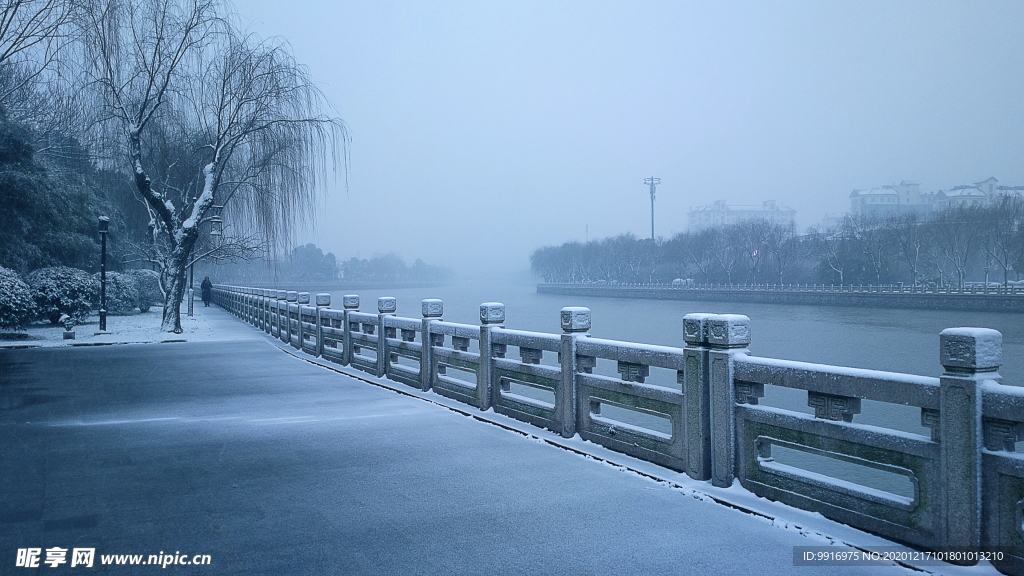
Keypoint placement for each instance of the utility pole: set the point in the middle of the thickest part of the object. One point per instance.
(653, 183)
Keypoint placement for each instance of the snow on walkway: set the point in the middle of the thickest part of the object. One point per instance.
(206, 325)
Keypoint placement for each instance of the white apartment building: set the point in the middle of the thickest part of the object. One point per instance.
(903, 198)
(907, 197)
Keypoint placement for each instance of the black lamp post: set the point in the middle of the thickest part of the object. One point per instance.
(104, 226)
(191, 290)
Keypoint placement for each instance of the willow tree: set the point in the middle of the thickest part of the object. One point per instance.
(215, 127)
(32, 35)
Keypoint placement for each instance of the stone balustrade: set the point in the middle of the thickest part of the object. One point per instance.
(706, 421)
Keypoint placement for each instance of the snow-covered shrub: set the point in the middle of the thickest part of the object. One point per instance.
(122, 293)
(148, 283)
(17, 308)
(62, 290)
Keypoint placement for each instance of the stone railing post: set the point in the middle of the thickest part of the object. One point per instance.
(351, 304)
(575, 323)
(727, 336)
(266, 311)
(323, 302)
(970, 356)
(492, 314)
(282, 301)
(247, 303)
(268, 297)
(696, 409)
(274, 311)
(261, 304)
(386, 306)
(303, 300)
(256, 299)
(291, 296)
(433, 309)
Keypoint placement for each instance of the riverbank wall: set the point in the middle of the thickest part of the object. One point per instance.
(853, 298)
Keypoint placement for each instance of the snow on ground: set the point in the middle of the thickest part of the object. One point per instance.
(207, 324)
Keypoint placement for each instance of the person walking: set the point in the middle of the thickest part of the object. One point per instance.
(207, 287)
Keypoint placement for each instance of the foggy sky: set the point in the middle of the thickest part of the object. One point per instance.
(483, 130)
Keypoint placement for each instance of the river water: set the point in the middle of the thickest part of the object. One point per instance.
(876, 338)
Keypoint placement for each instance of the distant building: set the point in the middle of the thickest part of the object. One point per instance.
(892, 200)
(874, 202)
(1002, 191)
(721, 214)
(985, 192)
(960, 196)
(833, 219)
(987, 187)
(907, 197)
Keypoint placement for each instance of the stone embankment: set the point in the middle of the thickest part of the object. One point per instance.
(978, 299)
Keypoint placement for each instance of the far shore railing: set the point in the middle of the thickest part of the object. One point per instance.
(975, 289)
(702, 416)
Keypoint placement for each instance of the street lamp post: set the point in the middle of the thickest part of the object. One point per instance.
(216, 232)
(104, 227)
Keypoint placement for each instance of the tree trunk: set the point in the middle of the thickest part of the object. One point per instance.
(171, 321)
(177, 269)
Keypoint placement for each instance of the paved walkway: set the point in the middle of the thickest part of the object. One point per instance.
(272, 465)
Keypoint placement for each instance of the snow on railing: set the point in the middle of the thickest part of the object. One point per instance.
(696, 409)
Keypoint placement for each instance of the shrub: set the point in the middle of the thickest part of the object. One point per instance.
(62, 290)
(17, 308)
(122, 293)
(148, 283)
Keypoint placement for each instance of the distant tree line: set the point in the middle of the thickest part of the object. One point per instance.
(309, 263)
(951, 247)
(393, 268)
